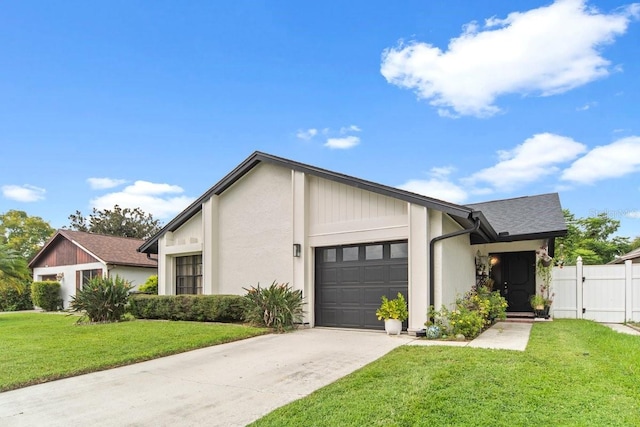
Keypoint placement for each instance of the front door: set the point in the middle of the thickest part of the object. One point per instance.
(515, 277)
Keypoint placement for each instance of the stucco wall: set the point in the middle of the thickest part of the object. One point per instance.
(135, 275)
(458, 263)
(68, 282)
(256, 230)
(189, 233)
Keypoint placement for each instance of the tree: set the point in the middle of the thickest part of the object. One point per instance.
(590, 238)
(14, 272)
(24, 234)
(117, 222)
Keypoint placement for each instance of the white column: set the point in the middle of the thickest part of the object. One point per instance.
(301, 264)
(579, 285)
(418, 267)
(210, 271)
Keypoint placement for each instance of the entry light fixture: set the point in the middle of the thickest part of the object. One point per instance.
(59, 276)
(296, 250)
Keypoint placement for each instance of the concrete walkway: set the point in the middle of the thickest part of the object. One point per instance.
(502, 336)
(226, 385)
(623, 329)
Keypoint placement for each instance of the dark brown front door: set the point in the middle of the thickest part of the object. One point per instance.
(515, 277)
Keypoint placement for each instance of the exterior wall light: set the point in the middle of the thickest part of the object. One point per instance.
(59, 276)
(296, 250)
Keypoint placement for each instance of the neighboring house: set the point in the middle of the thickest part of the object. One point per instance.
(74, 257)
(345, 242)
(634, 256)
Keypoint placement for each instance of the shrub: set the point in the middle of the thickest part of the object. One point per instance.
(150, 286)
(202, 308)
(278, 306)
(393, 309)
(475, 311)
(46, 295)
(103, 299)
(14, 299)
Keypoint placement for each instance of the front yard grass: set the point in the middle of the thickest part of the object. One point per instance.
(573, 373)
(39, 347)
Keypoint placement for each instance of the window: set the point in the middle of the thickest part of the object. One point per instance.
(87, 275)
(373, 252)
(399, 250)
(329, 255)
(189, 274)
(350, 253)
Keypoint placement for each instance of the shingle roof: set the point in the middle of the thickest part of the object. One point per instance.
(529, 216)
(110, 249)
(506, 213)
(634, 254)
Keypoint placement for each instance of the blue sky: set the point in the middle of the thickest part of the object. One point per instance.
(149, 103)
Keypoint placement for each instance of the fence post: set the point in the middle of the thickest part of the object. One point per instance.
(579, 282)
(628, 290)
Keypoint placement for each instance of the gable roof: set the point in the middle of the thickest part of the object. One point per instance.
(109, 249)
(526, 217)
(633, 255)
(464, 215)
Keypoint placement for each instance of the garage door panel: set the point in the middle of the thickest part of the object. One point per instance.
(329, 275)
(373, 274)
(398, 273)
(350, 275)
(350, 296)
(329, 296)
(374, 295)
(348, 290)
(351, 318)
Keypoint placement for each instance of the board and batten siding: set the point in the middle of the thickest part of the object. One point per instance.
(342, 214)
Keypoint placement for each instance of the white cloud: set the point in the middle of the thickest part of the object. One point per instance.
(342, 143)
(436, 188)
(544, 51)
(534, 158)
(587, 106)
(307, 134)
(347, 129)
(633, 214)
(104, 183)
(23, 193)
(149, 196)
(608, 161)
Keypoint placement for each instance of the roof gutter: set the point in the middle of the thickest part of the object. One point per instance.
(432, 243)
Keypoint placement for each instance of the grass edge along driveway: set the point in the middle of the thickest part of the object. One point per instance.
(573, 373)
(40, 347)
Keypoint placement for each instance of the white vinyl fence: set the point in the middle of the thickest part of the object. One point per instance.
(604, 293)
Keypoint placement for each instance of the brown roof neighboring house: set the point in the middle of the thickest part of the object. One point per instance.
(108, 249)
(634, 256)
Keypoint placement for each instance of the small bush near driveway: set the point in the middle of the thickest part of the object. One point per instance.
(277, 306)
(40, 347)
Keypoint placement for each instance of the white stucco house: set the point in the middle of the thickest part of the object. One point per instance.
(345, 242)
(74, 257)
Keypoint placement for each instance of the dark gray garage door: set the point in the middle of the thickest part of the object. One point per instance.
(350, 280)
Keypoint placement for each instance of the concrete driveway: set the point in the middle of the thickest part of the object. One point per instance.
(227, 385)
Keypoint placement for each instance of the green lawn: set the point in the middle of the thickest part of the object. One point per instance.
(39, 347)
(574, 373)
